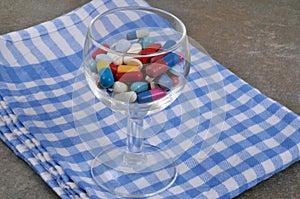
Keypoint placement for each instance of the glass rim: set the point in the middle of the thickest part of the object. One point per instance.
(142, 8)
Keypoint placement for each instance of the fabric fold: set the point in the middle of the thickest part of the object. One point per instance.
(14, 134)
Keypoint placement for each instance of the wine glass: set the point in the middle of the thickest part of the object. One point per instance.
(116, 167)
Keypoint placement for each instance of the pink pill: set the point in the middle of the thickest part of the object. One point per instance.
(157, 68)
(158, 93)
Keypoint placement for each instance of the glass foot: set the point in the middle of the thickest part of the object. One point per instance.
(134, 175)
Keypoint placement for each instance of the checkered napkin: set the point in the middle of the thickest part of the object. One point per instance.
(39, 74)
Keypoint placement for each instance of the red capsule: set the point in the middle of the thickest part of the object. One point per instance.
(149, 50)
(100, 51)
(157, 68)
(129, 76)
(114, 68)
(156, 58)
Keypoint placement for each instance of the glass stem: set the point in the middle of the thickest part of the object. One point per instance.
(135, 140)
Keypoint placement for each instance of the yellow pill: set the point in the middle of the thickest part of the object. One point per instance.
(127, 68)
(102, 64)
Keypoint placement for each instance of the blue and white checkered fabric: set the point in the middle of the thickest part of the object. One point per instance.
(38, 70)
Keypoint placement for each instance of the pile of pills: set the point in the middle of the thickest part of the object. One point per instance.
(138, 80)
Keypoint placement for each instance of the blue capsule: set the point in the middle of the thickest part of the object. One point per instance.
(169, 44)
(139, 86)
(136, 34)
(146, 41)
(106, 77)
(171, 59)
(151, 95)
(131, 35)
(165, 81)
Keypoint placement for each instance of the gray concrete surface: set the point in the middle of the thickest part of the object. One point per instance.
(256, 39)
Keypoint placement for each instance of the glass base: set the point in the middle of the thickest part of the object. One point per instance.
(133, 175)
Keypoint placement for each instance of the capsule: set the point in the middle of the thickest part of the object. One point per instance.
(136, 34)
(151, 95)
(120, 87)
(114, 68)
(123, 68)
(128, 97)
(165, 81)
(171, 59)
(146, 41)
(127, 68)
(149, 50)
(106, 77)
(139, 87)
(102, 64)
(156, 69)
(100, 51)
(133, 76)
